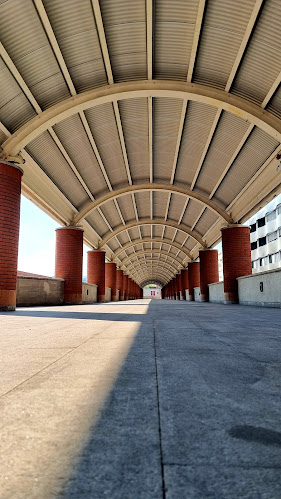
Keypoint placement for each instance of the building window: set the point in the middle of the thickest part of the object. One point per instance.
(262, 241)
(254, 245)
(271, 237)
(253, 228)
(271, 216)
(261, 222)
(278, 209)
(261, 262)
(270, 258)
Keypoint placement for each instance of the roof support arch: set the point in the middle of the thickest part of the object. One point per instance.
(148, 252)
(157, 221)
(148, 261)
(130, 189)
(153, 264)
(155, 274)
(145, 88)
(136, 242)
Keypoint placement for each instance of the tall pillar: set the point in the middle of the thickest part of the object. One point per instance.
(69, 260)
(125, 286)
(119, 283)
(209, 271)
(185, 283)
(110, 278)
(179, 285)
(236, 255)
(193, 278)
(129, 288)
(173, 288)
(96, 271)
(10, 190)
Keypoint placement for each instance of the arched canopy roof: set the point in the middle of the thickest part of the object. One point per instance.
(149, 123)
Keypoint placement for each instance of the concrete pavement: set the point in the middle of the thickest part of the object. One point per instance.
(141, 399)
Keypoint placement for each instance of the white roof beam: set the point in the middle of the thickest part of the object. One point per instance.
(247, 34)
(196, 35)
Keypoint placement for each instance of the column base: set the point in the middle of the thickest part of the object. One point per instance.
(8, 300)
(230, 298)
(101, 299)
(73, 299)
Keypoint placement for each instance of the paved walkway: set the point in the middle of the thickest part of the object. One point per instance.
(141, 399)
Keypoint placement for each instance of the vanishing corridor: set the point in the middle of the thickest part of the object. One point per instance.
(140, 399)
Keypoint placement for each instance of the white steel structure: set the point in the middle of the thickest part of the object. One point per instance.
(266, 237)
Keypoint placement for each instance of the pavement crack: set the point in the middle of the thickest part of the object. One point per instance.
(159, 414)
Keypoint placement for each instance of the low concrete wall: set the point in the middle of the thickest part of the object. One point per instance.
(107, 294)
(197, 294)
(216, 292)
(39, 291)
(263, 289)
(89, 293)
(187, 295)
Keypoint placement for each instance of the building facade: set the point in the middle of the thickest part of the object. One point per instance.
(265, 227)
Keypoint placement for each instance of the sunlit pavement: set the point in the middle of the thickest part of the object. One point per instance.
(141, 399)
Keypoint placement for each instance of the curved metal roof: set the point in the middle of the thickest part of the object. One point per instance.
(150, 123)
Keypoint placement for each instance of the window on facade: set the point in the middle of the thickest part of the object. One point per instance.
(255, 264)
(261, 262)
(253, 228)
(262, 241)
(272, 236)
(271, 216)
(270, 258)
(278, 209)
(261, 222)
(254, 245)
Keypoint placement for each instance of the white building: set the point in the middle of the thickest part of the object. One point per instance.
(266, 237)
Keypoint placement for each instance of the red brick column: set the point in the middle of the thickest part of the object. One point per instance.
(209, 271)
(125, 286)
(10, 190)
(174, 289)
(96, 271)
(129, 288)
(119, 283)
(236, 255)
(184, 278)
(69, 259)
(110, 278)
(193, 278)
(179, 285)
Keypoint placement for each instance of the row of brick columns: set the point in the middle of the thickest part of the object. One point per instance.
(69, 256)
(103, 275)
(69, 253)
(236, 251)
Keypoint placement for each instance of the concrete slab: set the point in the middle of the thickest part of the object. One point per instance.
(140, 399)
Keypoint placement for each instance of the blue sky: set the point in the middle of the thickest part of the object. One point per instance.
(37, 241)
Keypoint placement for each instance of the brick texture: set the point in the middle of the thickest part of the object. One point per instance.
(96, 271)
(193, 278)
(110, 278)
(185, 283)
(69, 259)
(119, 282)
(236, 250)
(209, 271)
(10, 190)
(125, 286)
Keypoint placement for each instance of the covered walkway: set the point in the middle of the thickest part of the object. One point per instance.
(141, 399)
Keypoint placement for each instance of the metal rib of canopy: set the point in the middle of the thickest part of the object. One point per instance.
(150, 123)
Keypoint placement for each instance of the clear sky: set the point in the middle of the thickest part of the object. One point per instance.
(37, 241)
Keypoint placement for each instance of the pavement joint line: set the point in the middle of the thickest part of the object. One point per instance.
(57, 360)
(159, 413)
